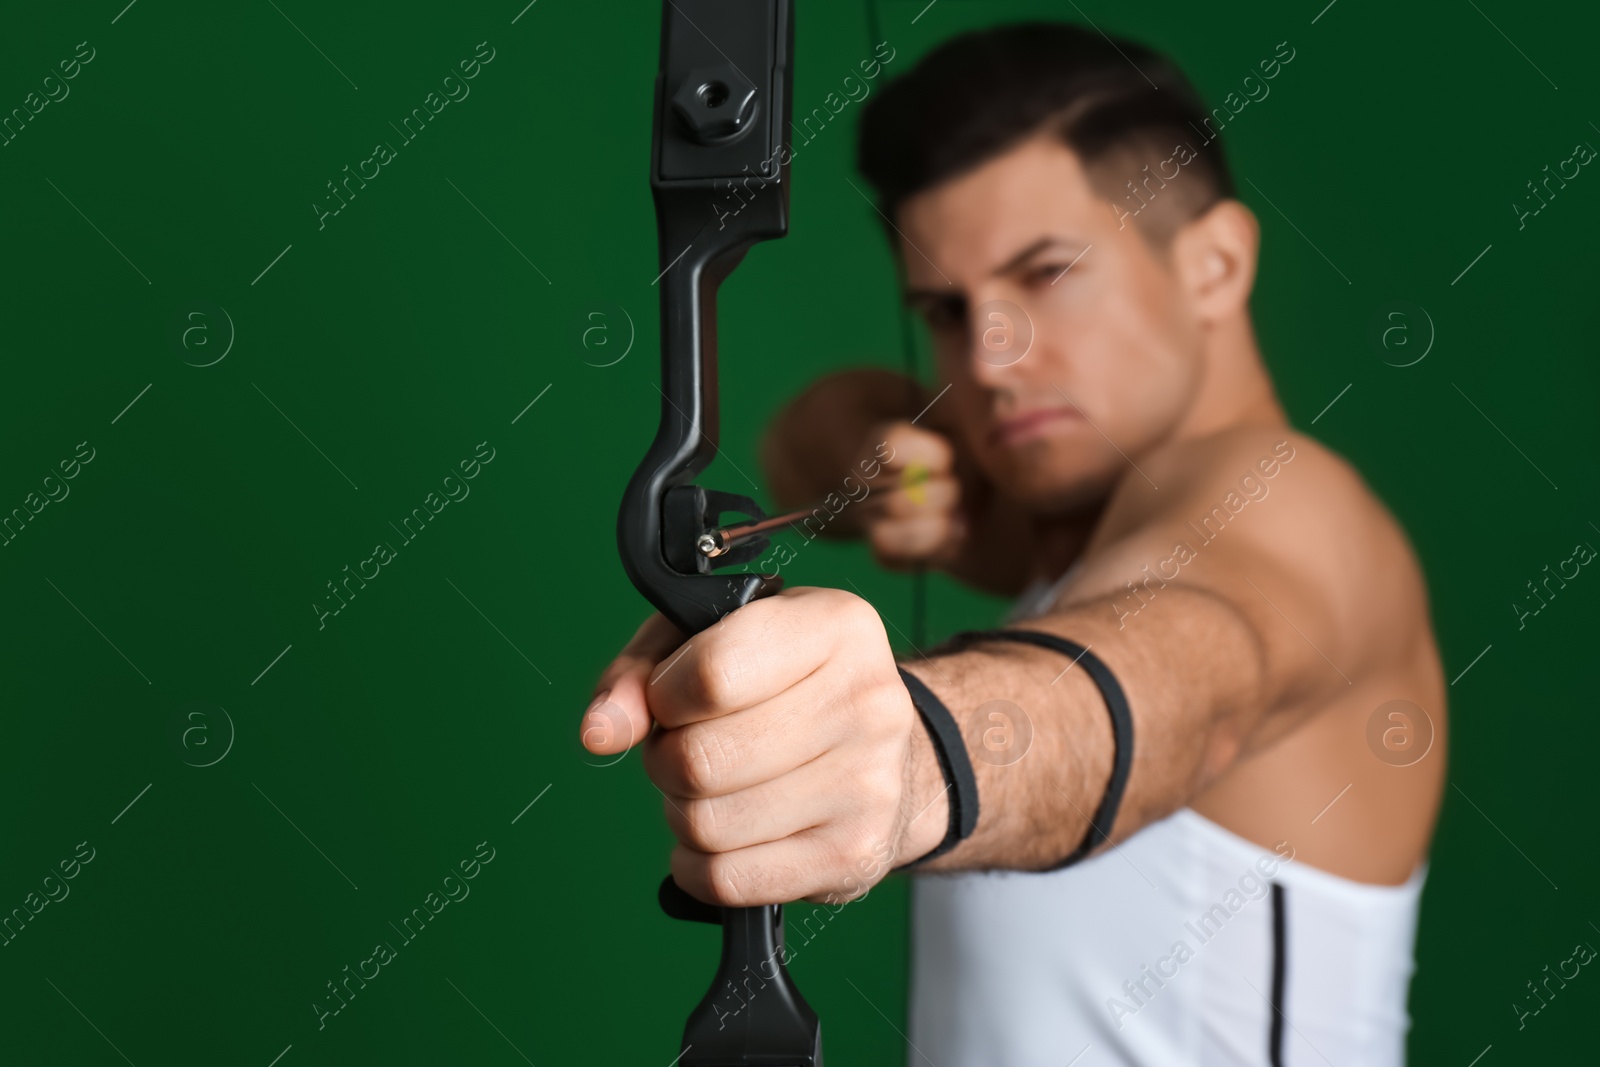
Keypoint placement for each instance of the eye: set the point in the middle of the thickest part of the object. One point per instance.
(1047, 274)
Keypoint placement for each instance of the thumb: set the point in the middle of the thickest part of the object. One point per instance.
(619, 716)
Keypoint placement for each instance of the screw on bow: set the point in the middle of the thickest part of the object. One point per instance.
(721, 107)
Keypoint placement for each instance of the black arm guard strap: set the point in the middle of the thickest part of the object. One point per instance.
(961, 785)
(1105, 815)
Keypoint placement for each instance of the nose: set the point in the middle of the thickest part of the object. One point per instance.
(1001, 334)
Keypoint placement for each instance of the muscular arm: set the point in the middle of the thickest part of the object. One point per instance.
(1279, 601)
(1232, 605)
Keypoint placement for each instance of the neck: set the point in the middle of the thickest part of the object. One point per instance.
(1234, 391)
(1234, 387)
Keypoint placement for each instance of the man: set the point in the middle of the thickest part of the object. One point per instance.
(1130, 474)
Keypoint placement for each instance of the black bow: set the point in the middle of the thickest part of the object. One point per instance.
(720, 179)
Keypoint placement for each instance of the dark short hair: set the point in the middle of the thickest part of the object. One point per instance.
(979, 94)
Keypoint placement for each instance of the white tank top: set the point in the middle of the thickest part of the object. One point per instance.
(1184, 946)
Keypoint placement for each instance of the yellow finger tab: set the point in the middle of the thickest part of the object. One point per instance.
(912, 480)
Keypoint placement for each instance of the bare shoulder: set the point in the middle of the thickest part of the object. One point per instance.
(1257, 451)
(1247, 465)
(1272, 514)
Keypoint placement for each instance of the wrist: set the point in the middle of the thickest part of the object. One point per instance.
(925, 803)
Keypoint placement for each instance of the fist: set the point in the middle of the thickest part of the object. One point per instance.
(913, 515)
(784, 744)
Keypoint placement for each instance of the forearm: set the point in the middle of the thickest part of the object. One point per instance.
(1039, 736)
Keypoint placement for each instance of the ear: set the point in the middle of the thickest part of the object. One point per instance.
(1215, 258)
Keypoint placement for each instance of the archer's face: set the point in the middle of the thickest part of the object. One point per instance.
(1068, 342)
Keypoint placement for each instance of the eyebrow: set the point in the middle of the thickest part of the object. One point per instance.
(1009, 265)
(1032, 250)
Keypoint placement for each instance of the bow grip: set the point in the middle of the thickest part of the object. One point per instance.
(720, 183)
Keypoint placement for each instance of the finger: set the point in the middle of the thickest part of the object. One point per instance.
(905, 542)
(654, 641)
(815, 794)
(776, 872)
(721, 756)
(912, 446)
(752, 655)
(619, 716)
(936, 493)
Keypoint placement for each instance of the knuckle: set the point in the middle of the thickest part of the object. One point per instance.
(867, 837)
(875, 795)
(848, 847)
(716, 676)
(856, 613)
(702, 828)
(880, 792)
(703, 764)
(883, 708)
(726, 881)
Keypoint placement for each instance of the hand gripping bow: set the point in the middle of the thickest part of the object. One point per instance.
(720, 179)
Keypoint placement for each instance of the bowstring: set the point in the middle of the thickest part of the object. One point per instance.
(908, 351)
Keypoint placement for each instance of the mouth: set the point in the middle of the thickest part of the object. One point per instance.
(1030, 425)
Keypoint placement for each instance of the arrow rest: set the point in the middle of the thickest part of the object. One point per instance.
(720, 181)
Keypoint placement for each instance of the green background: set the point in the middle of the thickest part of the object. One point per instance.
(378, 351)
